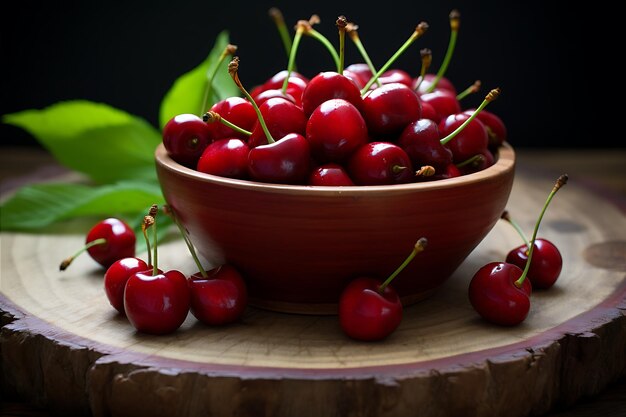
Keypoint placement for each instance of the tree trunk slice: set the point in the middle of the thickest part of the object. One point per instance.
(65, 348)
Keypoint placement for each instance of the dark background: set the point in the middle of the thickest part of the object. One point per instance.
(128, 55)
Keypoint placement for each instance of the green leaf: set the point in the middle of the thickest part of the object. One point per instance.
(187, 92)
(37, 206)
(100, 141)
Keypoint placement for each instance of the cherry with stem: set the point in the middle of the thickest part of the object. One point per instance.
(370, 310)
(214, 117)
(106, 242)
(500, 291)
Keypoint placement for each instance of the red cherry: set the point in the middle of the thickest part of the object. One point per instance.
(367, 314)
(483, 160)
(225, 158)
(496, 129)
(286, 161)
(330, 85)
(370, 309)
(185, 136)
(220, 298)
(106, 242)
(236, 110)
(380, 163)
(499, 291)
(443, 84)
(495, 296)
(421, 141)
(545, 266)
(362, 71)
(444, 102)
(282, 117)
(335, 130)
(117, 275)
(472, 140)
(354, 78)
(265, 95)
(295, 86)
(396, 76)
(331, 174)
(390, 108)
(156, 303)
(277, 79)
(429, 112)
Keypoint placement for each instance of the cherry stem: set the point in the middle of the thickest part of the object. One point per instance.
(300, 27)
(351, 28)
(396, 169)
(190, 246)
(228, 50)
(233, 70)
(455, 21)
(277, 16)
(420, 245)
(473, 161)
(506, 216)
(417, 33)
(212, 117)
(560, 182)
(147, 222)
(155, 268)
(493, 94)
(425, 171)
(427, 59)
(308, 30)
(474, 88)
(66, 262)
(341, 23)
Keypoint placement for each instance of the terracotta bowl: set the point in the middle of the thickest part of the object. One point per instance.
(298, 246)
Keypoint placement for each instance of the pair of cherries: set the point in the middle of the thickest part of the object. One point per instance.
(158, 302)
(500, 291)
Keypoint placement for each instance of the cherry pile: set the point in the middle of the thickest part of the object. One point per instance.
(342, 127)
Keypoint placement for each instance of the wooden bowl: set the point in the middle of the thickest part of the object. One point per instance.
(298, 246)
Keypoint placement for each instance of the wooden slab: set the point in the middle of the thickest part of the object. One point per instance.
(65, 348)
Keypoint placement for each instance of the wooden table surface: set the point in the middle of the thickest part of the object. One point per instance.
(602, 169)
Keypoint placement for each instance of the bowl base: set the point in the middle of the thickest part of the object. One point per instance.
(322, 309)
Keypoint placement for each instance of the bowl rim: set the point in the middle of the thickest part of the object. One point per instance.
(505, 162)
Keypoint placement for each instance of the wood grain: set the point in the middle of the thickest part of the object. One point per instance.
(64, 347)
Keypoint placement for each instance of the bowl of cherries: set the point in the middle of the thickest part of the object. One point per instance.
(303, 184)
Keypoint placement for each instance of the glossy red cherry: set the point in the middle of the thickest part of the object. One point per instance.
(429, 112)
(117, 275)
(390, 108)
(185, 136)
(156, 303)
(495, 296)
(483, 160)
(546, 263)
(286, 161)
(396, 76)
(443, 84)
(370, 309)
(106, 242)
(362, 71)
(330, 85)
(281, 117)
(380, 163)
(335, 130)
(472, 140)
(262, 96)
(295, 86)
(421, 141)
(225, 158)
(500, 291)
(332, 175)
(496, 129)
(443, 101)
(220, 297)
(236, 110)
(545, 266)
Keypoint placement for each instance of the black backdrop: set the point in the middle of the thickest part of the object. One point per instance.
(128, 54)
